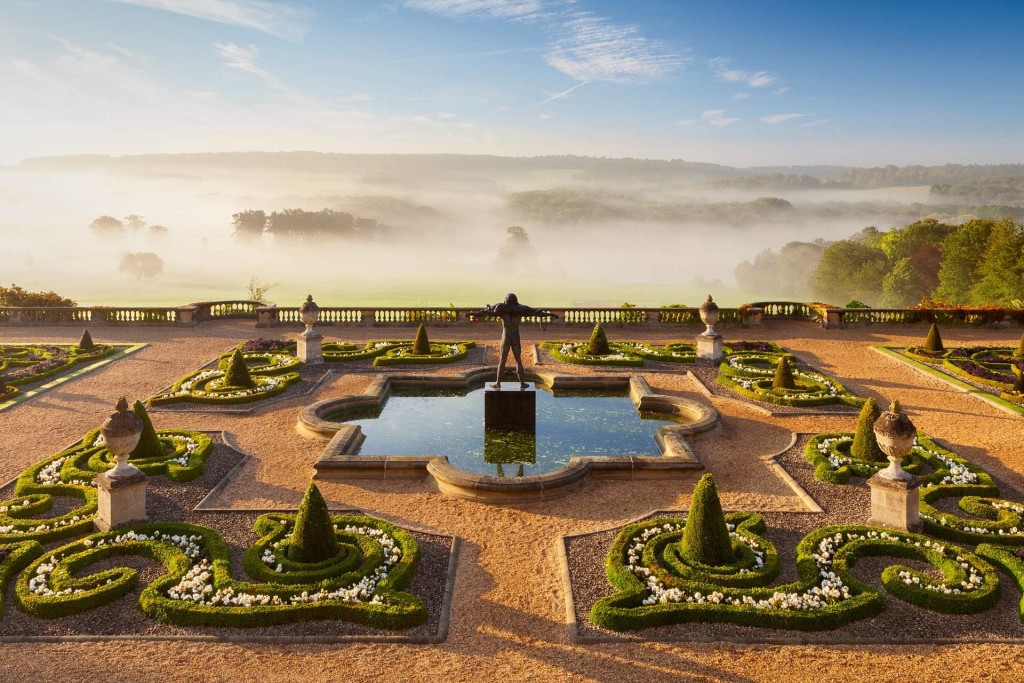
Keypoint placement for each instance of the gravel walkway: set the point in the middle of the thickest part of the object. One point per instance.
(508, 620)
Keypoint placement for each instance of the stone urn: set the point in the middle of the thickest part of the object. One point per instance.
(895, 434)
(709, 316)
(121, 432)
(309, 313)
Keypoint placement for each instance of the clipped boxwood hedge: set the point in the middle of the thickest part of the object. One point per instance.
(843, 598)
(171, 543)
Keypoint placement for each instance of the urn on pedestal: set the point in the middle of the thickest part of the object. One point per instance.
(894, 492)
(309, 345)
(709, 343)
(121, 490)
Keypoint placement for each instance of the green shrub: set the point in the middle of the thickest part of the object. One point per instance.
(314, 539)
(853, 303)
(706, 537)
(933, 342)
(1018, 378)
(421, 345)
(1019, 353)
(86, 343)
(149, 443)
(598, 344)
(237, 372)
(783, 375)
(865, 444)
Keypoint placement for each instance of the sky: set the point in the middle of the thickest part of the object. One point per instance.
(744, 83)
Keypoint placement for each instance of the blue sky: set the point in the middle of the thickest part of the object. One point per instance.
(742, 83)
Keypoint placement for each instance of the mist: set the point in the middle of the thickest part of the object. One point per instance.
(602, 232)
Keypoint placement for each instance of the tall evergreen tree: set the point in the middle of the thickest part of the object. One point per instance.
(1000, 270)
(962, 254)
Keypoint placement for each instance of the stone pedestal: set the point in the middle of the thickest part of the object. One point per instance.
(709, 347)
(894, 503)
(122, 499)
(510, 409)
(309, 348)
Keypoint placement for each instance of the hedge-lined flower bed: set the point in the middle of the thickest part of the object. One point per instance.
(29, 363)
(440, 352)
(654, 591)
(943, 474)
(70, 474)
(272, 372)
(363, 584)
(622, 353)
(749, 368)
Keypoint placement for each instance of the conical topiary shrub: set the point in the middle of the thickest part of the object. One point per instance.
(237, 373)
(149, 445)
(1018, 378)
(1019, 353)
(865, 445)
(421, 345)
(705, 537)
(783, 375)
(933, 342)
(598, 344)
(86, 343)
(314, 539)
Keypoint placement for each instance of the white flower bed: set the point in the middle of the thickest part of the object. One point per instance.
(40, 583)
(197, 584)
(830, 587)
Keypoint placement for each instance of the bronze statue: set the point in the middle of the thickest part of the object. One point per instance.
(511, 313)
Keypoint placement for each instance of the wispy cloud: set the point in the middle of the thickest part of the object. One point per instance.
(783, 90)
(276, 18)
(242, 58)
(741, 96)
(782, 118)
(717, 118)
(809, 124)
(559, 95)
(686, 122)
(589, 48)
(723, 70)
(497, 9)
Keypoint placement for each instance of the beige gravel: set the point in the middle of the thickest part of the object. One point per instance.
(508, 616)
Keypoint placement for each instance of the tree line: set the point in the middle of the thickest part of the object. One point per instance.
(976, 263)
(251, 224)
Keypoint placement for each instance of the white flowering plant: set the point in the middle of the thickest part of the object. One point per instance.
(653, 592)
(364, 584)
(623, 353)
(749, 373)
(271, 373)
(440, 352)
(70, 474)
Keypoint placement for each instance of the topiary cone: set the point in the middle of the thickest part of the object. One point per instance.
(86, 343)
(598, 344)
(865, 445)
(705, 537)
(237, 372)
(421, 345)
(933, 342)
(1018, 378)
(1019, 353)
(149, 445)
(783, 375)
(314, 538)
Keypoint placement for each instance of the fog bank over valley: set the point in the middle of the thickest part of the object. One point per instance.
(428, 229)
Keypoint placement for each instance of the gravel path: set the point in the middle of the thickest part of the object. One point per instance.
(508, 618)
